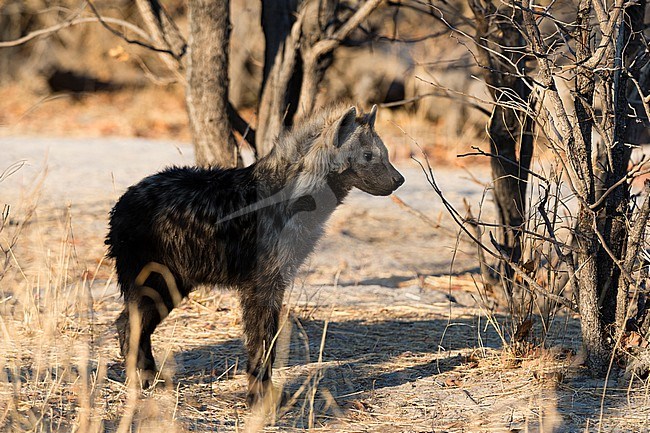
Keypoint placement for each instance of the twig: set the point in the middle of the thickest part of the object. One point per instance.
(541, 208)
(398, 201)
(55, 28)
(610, 253)
(103, 21)
(163, 29)
(520, 228)
(462, 96)
(443, 95)
(635, 172)
(313, 55)
(428, 172)
(645, 99)
(534, 286)
(486, 271)
(165, 33)
(325, 46)
(481, 152)
(159, 81)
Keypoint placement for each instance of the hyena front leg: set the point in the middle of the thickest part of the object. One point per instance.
(261, 316)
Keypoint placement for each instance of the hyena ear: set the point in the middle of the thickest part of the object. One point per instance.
(345, 127)
(372, 116)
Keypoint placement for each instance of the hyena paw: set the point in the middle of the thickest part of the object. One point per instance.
(147, 379)
(264, 396)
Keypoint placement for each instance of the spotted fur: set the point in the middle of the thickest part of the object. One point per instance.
(247, 228)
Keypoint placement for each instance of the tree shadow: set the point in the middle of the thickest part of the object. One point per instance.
(394, 281)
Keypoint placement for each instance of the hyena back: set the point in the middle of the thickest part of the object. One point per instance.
(246, 228)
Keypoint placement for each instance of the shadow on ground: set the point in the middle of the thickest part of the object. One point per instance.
(359, 357)
(367, 363)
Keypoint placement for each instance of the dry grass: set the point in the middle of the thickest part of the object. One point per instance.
(429, 367)
(366, 365)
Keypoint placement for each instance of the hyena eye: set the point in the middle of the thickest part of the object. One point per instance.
(367, 156)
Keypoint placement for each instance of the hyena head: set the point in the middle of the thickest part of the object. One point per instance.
(362, 155)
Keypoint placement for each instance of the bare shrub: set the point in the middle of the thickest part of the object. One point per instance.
(578, 234)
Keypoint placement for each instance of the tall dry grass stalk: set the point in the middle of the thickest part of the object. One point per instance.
(57, 357)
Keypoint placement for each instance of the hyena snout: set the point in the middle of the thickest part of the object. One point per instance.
(393, 178)
(398, 180)
(382, 181)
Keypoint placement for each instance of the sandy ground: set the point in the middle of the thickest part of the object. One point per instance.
(369, 346)
(92, 173)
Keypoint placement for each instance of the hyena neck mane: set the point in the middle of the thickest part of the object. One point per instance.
(304, 162)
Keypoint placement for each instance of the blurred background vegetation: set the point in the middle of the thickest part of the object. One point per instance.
(83, 80)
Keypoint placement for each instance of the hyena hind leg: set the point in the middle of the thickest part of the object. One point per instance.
(155, 295)
(135, 339)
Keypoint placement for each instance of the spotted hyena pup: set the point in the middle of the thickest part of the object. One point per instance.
(247, 228)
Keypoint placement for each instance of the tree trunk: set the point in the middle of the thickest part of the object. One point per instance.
(593, 334)
(207, 83)
(510, 132)
(628, 47)
(277, 18)
(602, 231)
(301, 51)
(282, 77)
(317, 26)
(637, 125)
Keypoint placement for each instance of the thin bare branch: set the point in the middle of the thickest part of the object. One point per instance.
(449, 94)
(576, 147)
(328, 45)
(634, 172)
(73, 22)
(322, 48)
(481, 152)
(533, 286)
(104, 22)
(645, 99)
(165, 33)
(421, 216)
(619, 264)
(428, 172)
(162, 27)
